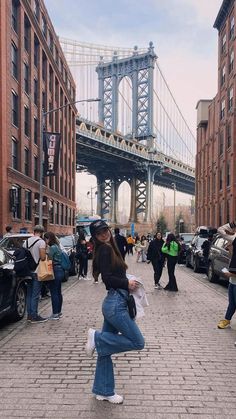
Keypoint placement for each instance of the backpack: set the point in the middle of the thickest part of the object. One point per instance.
(65, 261)
(24, 262)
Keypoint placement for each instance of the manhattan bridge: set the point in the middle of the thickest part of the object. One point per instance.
(134, 133)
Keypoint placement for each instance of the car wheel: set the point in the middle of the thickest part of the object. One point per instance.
(74, 268)
(212, 277)
(187, 262)
(20, 302)
(195, 265)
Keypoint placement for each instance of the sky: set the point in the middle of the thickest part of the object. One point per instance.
(183, 36)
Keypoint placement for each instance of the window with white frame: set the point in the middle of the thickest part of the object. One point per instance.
(222, 76)
(231, 61)
(222, 109)
(14, 60)
(231, 98)
(28, 207)
(14, 153)
(231, 31)
(223, 44)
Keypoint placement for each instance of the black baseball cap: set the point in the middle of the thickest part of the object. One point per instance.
(97, 226)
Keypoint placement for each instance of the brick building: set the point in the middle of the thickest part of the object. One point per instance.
(34, 75)
(216, 132)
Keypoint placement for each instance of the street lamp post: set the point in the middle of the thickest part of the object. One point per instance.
(90, 193)
(174, 188)
(44, 114)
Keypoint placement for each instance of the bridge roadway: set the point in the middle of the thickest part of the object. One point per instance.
(101, 152)
(187, 369)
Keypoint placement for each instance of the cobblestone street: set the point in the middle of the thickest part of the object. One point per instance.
(186, 370)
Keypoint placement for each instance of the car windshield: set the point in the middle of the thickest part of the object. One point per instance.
(187, 237)
(66, 241)
(200, 241)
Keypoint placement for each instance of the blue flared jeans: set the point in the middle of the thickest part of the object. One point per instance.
(120, 333)
(232, 301)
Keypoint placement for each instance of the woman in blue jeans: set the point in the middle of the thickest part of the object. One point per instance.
(120, 333)
(54, 253)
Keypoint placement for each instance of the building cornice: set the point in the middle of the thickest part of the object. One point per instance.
(223, 13)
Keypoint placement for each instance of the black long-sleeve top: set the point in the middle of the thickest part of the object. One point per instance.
(112, 278)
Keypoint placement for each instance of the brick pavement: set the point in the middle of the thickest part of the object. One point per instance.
(187, 369)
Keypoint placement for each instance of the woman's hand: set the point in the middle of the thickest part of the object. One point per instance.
(133, 285)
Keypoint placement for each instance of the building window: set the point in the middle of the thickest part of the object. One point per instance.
(44, 100)
(36, 172)
(36, 9)
(14, 109)
(35, 130)
(14, 153)
(50, 79)
(26, 126)
(56, 56)
(221, 143)
(26, 33)
(221, 179)
(14, 60)
(221, 213)
(36, 51)
(222, 109)
(231, 61)
(51, 211)
(231, 97)
(228, 180)
(26, 78)
(44, 67)
(62, 214)
(214, 183)
(28, 207)
(222, 76)
(229, 135)
(35, 91)
(223, 44)
(26, 152)
(51, 45)
(228, 210)
(51, 114)
(57, 213)
(231, 31)
(44, 27)
(16, 205)
(14, 14)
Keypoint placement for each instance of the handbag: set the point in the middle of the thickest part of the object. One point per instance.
(132, 309)
(45, 270)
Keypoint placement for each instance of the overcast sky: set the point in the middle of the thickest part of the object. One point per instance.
(181, 30)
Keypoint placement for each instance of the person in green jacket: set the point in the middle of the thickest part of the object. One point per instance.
(171, 249)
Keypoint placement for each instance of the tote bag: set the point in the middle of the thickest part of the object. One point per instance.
(45, 270)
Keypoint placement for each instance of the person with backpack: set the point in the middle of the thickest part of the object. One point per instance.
(56, 255)
(37, 248)
(155, 255)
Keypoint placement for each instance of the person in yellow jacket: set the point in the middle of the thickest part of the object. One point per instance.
(131, 242)
(171, 249)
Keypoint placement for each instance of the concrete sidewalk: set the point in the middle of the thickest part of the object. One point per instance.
(186, 370)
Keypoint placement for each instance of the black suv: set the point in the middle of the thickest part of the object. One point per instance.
(219, 258)
(12, 289)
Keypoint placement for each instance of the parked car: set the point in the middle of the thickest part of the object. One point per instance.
(219, 258)
(194, 254)
(12, 289)
(10, 243)
(185, 240)
(69, 244)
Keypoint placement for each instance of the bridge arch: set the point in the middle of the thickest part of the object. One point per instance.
(124, 202)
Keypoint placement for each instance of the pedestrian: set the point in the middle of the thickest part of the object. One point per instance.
(130, 244)
(37, 248)
(121, 243)
(228, 232)
(206, 249)
(120, 333)
(8, 231)
(82, 256)
(155, 255)
(144, 244)
(55, 254)
(171, 248)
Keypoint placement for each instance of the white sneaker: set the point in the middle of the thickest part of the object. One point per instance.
(90, 345)
(116, 399)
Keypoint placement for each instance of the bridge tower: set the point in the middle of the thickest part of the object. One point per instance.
(139, 68)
